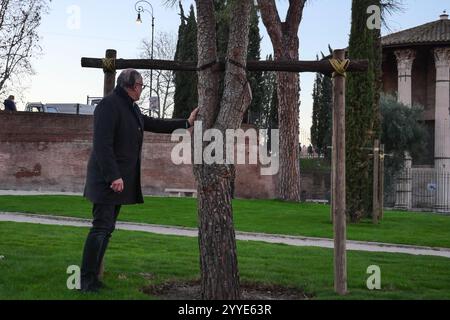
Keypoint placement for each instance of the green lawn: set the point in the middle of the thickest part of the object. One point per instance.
(36, 258)
(269, 216)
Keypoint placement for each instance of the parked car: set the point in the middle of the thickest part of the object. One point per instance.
(93, 100)
(69, 108)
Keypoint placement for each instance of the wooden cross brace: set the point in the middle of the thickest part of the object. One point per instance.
(110, 64)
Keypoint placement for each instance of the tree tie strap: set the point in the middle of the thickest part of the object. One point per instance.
(339, 66)
(237, 64)
(207, 65)
(109, 64)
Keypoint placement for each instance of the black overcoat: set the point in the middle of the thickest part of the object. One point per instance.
(117, 145)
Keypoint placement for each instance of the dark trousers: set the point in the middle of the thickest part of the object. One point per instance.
(104, 223)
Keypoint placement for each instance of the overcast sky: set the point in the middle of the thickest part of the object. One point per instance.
(86, 28)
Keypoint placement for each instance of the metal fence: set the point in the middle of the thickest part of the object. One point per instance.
(418, 188)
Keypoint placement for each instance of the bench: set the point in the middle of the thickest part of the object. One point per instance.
(181, 192)
(323, 201)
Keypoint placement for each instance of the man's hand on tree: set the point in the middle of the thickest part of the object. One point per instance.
(193, 116)
(117, 185)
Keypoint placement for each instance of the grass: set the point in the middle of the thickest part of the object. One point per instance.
(268, 216)
(36, 258)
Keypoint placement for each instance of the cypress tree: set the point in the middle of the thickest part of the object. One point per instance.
(186, 95)
(269, 113)
(316, 108)
(222, 11)
(325, 116)
(321, 128)
(362, 112)
(255, 109)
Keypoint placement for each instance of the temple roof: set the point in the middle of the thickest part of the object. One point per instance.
(436, 32)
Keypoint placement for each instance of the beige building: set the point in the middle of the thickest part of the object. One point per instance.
(416, 68)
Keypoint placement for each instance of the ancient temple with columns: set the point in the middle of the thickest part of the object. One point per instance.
(416, 68)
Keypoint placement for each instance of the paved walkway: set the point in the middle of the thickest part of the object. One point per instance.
(246, 236)
(37, 193)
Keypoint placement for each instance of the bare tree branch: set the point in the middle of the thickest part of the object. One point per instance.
(294, 15)
(271, 19)
(19, 40)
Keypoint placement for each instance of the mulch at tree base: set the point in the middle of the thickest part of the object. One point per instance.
(191, 290)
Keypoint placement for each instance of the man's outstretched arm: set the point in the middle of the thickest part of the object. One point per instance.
(168, 125)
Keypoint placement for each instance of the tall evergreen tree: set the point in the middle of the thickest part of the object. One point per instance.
(321, 129)
(222, 12)
(362, 113)
(269, 111)
(255, 78)
(316, 109)
(186, 96)
(325, 116)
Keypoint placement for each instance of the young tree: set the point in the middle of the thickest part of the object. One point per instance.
(19, 40)
(218, 258)
(284, 37)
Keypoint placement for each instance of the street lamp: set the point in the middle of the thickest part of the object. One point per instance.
(138, 6)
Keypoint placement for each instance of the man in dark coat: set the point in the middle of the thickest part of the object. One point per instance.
(10, 105)
(113, 171)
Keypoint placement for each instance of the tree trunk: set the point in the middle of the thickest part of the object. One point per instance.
(284, 37)
(217, 242)
(288, 108)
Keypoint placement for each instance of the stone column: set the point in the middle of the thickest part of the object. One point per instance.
(405, 59)
(442, 129)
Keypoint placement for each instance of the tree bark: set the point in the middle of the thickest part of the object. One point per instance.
(284, 37)
(217, 242)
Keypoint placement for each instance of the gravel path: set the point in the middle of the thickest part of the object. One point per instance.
(246, 236)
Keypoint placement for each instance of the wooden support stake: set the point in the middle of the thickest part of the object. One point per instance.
(376, 180)
(338, 167)
(110, 74)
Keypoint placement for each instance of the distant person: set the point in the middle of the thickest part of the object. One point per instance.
(114, 167)
(10, 105)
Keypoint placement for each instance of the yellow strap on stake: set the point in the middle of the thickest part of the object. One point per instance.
(339, 66)
(109, 64)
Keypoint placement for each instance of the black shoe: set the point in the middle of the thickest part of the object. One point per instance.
(90, 289)
(100, 285)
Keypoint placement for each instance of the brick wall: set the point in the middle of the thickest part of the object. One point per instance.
(315, 185)
(49, 152)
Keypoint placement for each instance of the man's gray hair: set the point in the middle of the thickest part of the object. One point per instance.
(128, 78)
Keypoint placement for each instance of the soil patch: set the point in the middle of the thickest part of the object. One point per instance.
(190, 290)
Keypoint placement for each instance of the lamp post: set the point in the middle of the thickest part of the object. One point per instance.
(138, 6)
